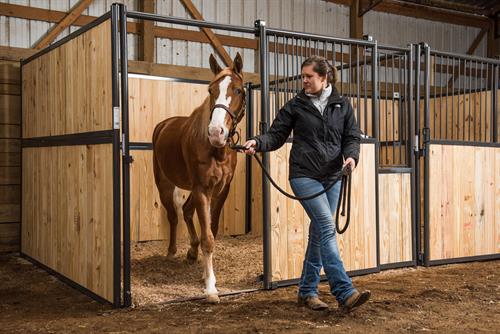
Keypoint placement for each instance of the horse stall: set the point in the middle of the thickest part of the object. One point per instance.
(238, 254)
(87, 153)
(461, 180)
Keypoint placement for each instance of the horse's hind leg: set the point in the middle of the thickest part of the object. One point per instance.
(167, 199)
(188, 210)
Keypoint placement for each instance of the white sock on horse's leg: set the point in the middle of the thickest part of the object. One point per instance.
(209, 275)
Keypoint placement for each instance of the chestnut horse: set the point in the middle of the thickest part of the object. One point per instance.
(192, 153)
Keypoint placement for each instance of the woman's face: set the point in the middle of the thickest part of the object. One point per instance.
(313, 82)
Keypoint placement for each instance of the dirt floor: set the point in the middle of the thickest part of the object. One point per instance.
(448, 299)
(155, 279)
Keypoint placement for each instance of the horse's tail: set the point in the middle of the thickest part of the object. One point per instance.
(158, 173)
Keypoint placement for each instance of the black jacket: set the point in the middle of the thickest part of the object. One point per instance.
(319, 142)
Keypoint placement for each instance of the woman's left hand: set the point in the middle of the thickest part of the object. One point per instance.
(349, 165)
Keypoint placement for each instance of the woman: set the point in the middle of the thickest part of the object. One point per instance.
(325, 139)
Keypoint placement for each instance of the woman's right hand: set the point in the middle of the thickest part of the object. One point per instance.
(250, 146)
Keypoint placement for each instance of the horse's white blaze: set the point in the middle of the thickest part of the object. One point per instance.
(219, 114)
(180, 197)
(209, 275)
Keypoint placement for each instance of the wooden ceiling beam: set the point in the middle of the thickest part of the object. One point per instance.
(214, 41)
(427, 13)
(56, 30)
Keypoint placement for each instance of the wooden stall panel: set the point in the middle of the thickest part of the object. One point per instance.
(152, 100)
(68, 90)
(68, 212)
(464, 206)
(395, 226)
(290, 224)
(10, 155)
(465, 117)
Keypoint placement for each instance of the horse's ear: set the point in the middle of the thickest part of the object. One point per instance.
(237, 63)
(214, 66)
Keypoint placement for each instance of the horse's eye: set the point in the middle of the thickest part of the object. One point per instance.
(237, 91)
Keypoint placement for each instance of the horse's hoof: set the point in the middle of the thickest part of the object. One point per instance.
(213, 299)
(192, 257)
(170, 256)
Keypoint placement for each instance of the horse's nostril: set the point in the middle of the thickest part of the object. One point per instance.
(221, 131)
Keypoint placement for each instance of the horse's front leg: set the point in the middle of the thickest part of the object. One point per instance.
(202, 203)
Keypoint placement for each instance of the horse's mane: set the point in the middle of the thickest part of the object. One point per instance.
(200, 117)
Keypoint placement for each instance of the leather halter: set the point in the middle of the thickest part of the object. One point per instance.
(235, 119)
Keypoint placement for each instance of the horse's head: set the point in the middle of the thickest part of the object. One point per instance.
(227, 101)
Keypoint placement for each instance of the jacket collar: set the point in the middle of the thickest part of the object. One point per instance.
(334, 97)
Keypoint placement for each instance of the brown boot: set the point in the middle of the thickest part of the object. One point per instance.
(355, 300)
(313, 302)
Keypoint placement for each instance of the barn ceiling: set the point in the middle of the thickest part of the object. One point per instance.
(482, 7)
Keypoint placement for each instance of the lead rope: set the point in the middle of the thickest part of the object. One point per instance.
(346, 179)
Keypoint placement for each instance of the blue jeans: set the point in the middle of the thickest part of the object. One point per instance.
(322, 250)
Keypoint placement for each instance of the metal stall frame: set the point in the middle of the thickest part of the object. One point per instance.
(424, 51)
(411, 162)
(89, 138)
(264, 33)
(126, 145)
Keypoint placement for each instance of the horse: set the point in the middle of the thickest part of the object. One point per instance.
(192, 154)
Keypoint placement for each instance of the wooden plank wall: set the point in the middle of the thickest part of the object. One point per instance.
(395, 223)
(10, 156)
(73, 100)
(151, 101)
(68, 212)
(68, 190)
(461, 117)
(464, 202)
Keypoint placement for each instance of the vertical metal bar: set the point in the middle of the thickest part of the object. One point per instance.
(475, 102)
(377, 141)
(464, 104)
(426, 150)
(458, 101)
(393, 113)
(386, 133)
(452, 98)
(418, 190)
(365, 85)
(341, 68)
(434, 99)
(116, 156)
(441, 122)
(264, 99)
(411, 142)
(447, 108)
(358, 81)
(481, 105)
(470, 98)
(486, 83)
(349, 73)
(403, 113)
(276, 78)
(494, 107)
(127, 296)
(248, 162)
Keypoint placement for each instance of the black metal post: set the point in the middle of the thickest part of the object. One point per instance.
(376, 135)
(411, 140)
(416, 149)
(248, 161)
(494, 108)
(126, 158)
(426, 134)
(116, 156)
(264, 99)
